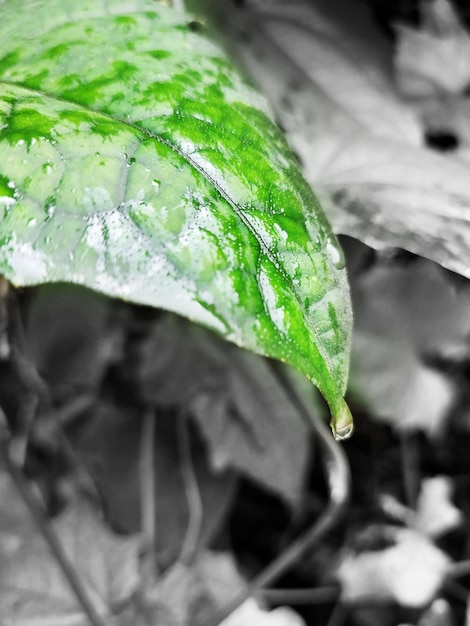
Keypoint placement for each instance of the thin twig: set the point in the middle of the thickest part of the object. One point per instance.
(461, 568)
(68, 414)
(318, 595)
(147, 495)
(338, 615)
(193, 494)
(49, 535)
(338, 478)
(410, 469)
(458, 591)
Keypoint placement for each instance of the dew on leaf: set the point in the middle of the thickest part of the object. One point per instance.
(335, 255)
(281, 232)
(7, 201)
(233, 173)
(342, 424)
(25, 262)
(270, 299)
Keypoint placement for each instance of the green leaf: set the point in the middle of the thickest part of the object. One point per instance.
(138, 162)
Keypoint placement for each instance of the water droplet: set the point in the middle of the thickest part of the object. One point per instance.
(47, 168)
(32, 222)
(335, 254)
(342, 423)
(156, 184)
(341, 434)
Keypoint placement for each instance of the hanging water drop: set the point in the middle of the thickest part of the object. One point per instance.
(342, 424)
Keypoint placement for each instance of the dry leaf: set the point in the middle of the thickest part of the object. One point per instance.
(33, 588)
(410, 572)
(250, 614)
(435, 512)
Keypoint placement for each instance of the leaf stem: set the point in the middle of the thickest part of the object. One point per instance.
(314, 595)
(410, 468)
(52, 540)
(338, 478)
(147, 496)
(338, 615)
(461, 568)
(193, 495)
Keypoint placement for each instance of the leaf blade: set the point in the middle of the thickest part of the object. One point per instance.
(171, 214)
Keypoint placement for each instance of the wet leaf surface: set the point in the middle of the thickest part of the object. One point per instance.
(138, 162)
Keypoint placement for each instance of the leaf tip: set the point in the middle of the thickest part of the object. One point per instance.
(342, 424)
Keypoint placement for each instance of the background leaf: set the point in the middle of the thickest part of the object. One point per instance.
(436, 513)
(328, 72)
(408, 317)
(138, 162)
(247, 419)
(410, 572)
(109, 448)
(31, 584)
(185, 596)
